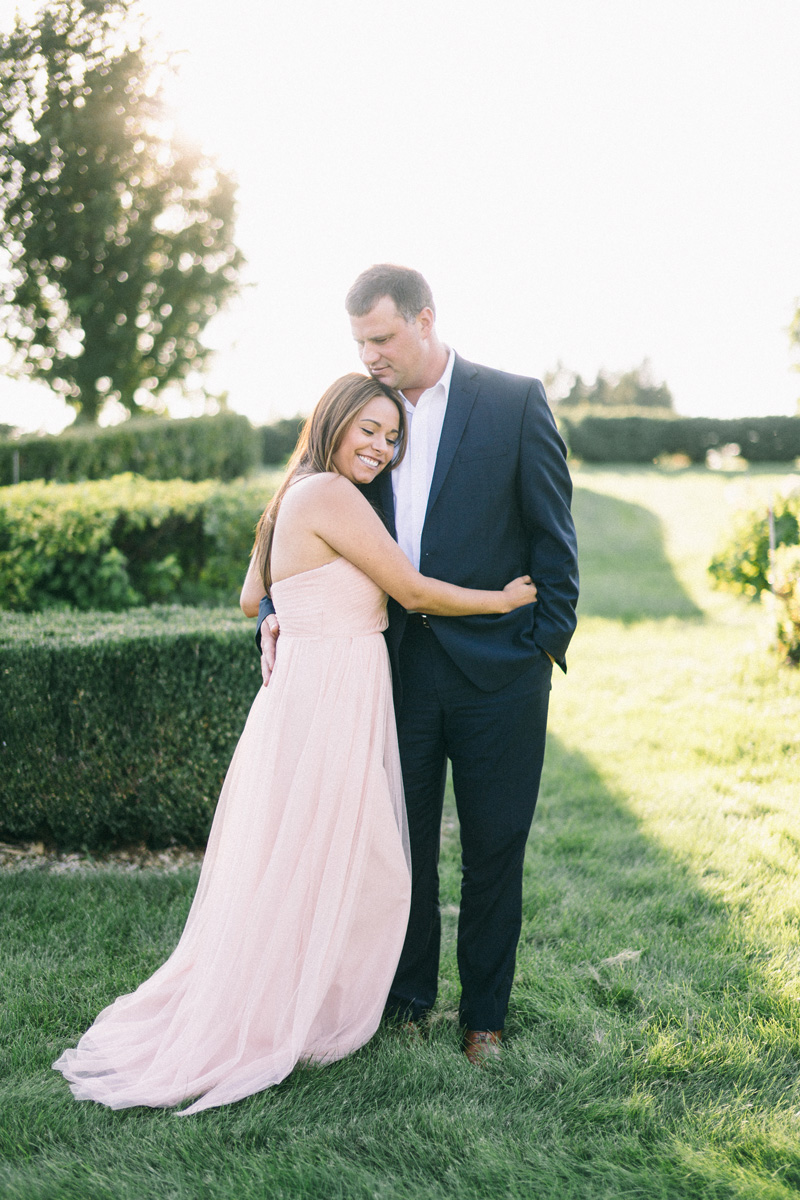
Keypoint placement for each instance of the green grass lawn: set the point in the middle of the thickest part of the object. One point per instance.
(654, 1033)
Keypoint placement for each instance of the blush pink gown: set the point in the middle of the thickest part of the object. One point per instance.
(297, 924)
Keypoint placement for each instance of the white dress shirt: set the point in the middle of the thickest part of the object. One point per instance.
(411, 481)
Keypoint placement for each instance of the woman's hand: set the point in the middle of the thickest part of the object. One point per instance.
(520, 591)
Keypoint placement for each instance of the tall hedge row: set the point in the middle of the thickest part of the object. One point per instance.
(117, 543)
(639, 439)
(226, 446)
(279, 439)
(119, 729)
(222, 447)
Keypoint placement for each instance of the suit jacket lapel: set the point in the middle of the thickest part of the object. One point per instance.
(463, 390)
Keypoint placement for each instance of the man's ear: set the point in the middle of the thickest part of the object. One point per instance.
(425, 321)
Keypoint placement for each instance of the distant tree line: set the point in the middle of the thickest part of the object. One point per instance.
(626, 389)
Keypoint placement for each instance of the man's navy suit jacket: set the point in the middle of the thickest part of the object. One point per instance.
(499, 507)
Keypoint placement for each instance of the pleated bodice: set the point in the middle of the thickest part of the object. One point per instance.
(334, 600)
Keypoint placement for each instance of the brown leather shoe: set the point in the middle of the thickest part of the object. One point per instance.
(483, 1046)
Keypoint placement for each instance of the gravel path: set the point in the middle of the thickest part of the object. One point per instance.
(34, 856)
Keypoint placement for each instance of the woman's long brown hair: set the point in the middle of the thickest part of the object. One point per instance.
(319, 440)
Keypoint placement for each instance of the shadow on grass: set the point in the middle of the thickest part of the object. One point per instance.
(670, 1004)
(625, 572)
(648, 1017)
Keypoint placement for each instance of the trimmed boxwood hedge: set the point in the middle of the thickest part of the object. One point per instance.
(222, 447)
(640, 439)
(118, 729)
(118, 543)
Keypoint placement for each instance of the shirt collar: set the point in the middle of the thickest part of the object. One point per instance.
(443, 381)
(447, 374)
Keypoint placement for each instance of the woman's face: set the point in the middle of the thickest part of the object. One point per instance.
(368, 444)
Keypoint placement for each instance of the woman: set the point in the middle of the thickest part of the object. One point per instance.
(300, 912)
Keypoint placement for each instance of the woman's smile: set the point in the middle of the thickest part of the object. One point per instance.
(368, 445)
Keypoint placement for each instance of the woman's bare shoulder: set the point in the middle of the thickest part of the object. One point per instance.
(326, 487)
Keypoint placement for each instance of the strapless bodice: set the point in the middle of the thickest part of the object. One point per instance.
(334, 600)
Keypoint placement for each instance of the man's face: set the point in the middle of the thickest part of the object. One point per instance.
(392, 349)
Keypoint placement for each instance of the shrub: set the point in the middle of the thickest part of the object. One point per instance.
(221, 447)
(119, 729)
(785, 577)
(642, 439)
(742, 564)
(117, 543)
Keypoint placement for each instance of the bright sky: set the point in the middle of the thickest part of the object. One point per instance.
(591, 182)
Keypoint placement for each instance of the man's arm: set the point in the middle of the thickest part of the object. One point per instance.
(267, 644)
(265, 609)
(546, 492)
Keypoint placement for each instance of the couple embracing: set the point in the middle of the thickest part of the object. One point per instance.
(433, 482)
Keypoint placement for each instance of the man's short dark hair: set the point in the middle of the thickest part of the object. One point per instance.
(408, 289)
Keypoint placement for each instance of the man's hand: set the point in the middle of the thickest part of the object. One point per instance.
(269, 637)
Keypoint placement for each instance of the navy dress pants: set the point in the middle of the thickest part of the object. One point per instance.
(495, 742)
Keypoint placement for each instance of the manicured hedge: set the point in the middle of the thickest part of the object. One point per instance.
(119, 729)
(279, 439)
(221, 447)
(640, 439)
(121, 542)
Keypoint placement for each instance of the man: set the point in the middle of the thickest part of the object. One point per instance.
(481, 497)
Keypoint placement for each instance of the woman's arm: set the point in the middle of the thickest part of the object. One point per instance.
(253, 590)
(342, 517)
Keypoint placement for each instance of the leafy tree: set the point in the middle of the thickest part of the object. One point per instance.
(628, 389)
(117, 244)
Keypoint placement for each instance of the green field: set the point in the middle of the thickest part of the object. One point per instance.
(654, 1033)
